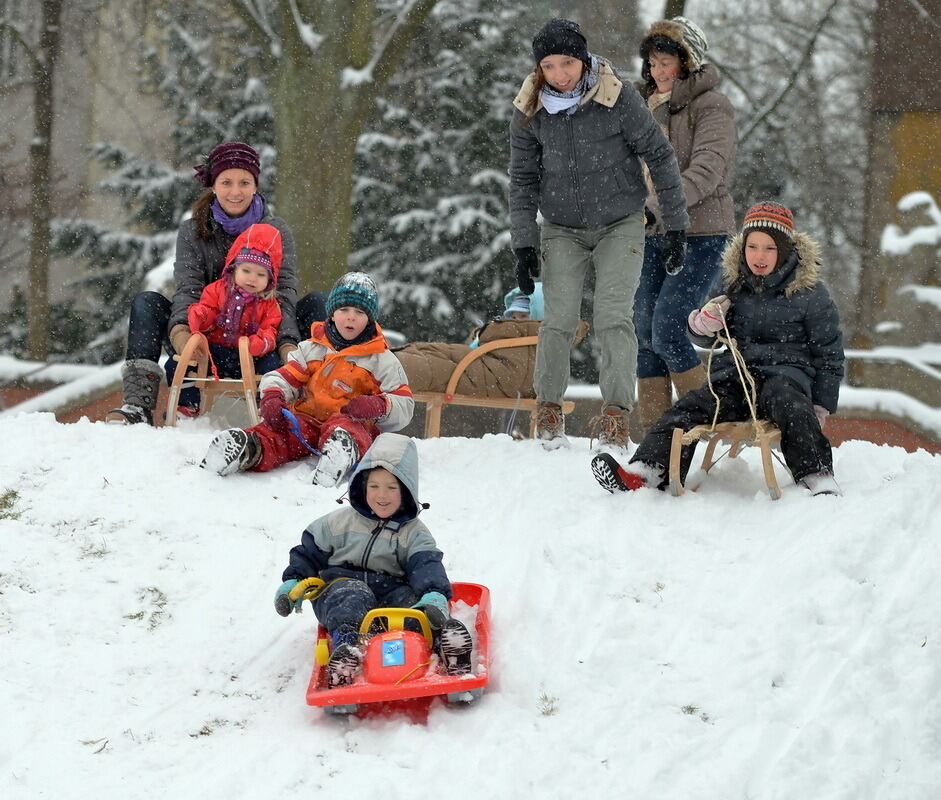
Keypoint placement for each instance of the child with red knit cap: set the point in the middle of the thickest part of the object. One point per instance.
(786, 327)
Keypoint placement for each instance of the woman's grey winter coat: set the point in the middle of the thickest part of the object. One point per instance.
(199, 262)
(785, 323)
(583, 170)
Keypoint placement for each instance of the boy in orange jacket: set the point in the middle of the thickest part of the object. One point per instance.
(343, 385)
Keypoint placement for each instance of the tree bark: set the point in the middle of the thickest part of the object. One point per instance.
(40, 154)
(323, 95)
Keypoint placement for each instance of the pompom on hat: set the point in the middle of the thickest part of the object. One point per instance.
(775, 220)
(229, 155)
(354, 289)
(561, 37)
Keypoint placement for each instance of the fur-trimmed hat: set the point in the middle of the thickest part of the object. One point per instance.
(561, 37)
(775, 220)
(355, 289)
(679, 36)
(229, 155)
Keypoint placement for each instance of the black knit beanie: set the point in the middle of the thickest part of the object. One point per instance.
(561, 37)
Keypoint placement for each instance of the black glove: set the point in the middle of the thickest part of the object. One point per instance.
(649, 219)
(527, 268)
(674, 252)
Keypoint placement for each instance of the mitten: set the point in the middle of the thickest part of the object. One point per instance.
(822, 415)
(270, 407)
(527, 268)
(710, 319)
(285, 350)
(367, 406)
(282, 603)
(199, 318)
(259, 345)
(649, 219)
(179, 336)
(674, 252)
(436, 608)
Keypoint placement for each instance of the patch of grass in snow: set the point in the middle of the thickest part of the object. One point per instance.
(7, 501)
(694, 710)
(157, 599)
(548, 704)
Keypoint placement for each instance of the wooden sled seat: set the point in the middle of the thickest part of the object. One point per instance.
(737, 435)
(435, 401)
(195, 355)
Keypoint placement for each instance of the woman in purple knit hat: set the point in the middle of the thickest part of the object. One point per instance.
(229, 205)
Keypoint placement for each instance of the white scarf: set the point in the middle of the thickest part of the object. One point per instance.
(555, 101)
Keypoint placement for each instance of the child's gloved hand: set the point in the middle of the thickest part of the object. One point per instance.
(282, 603)
(367, 406)
(259, 345)
(272, 401)
(710, 319)
(436, 608)
(199, 318)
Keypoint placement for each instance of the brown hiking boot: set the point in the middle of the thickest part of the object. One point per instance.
(611, 427)
(550, 425)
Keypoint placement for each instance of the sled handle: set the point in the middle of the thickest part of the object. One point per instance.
(306, 589)
(395, 620)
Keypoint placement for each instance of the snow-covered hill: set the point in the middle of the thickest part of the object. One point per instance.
(718, 645)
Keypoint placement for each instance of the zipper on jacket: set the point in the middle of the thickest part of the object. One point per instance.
(374, 534)
(573, 167)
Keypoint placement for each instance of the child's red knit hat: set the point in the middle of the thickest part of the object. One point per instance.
(774, 220)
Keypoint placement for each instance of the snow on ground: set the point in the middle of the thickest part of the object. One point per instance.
(718, 645)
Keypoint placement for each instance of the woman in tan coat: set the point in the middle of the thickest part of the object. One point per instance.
(680, 90)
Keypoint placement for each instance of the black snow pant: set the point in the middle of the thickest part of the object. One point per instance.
(345, 602)
(780, 400)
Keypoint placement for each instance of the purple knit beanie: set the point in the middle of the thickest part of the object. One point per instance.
(230, 155)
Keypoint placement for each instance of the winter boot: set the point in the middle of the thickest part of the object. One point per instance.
(613, 477)
(141, 378)
(455, 646)
(654, 397)
(346, 658)
(231, 451)
(339, 455)
(550, 425)
(612, 426)
(821, 483)
(688, 380)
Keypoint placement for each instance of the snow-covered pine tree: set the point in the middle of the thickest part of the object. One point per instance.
(431, 218)
(212, 98)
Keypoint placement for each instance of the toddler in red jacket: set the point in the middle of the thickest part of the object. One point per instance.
(243, 302)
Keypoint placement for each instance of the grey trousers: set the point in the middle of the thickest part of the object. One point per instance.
(617, 252)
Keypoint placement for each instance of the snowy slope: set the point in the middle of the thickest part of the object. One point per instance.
(718, 645)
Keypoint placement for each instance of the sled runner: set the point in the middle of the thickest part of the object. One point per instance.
(738, 435)
(211, 387)
(400, 669)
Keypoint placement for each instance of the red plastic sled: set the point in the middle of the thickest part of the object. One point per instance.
(398, 664)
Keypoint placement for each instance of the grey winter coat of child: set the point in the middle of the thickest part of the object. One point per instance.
(584, 170)
(199, 262)
(783, 324)
(352, 542)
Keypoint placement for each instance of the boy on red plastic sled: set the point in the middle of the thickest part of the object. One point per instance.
(376, 554)
(343, 385)
(786, 327)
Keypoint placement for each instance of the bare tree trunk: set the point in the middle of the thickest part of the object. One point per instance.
(612, 28)
(324, 93)
(40, 153)
(674, 8)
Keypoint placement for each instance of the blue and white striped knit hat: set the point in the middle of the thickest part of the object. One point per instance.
(355, 289)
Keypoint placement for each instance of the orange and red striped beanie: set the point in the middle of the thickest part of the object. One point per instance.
(775, 220)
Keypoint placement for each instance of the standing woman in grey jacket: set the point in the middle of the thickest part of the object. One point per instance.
(681, 92)
(228, 206)
(577, 142)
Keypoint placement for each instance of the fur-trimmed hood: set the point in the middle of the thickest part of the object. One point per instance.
(605, 91)
(805, 274)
